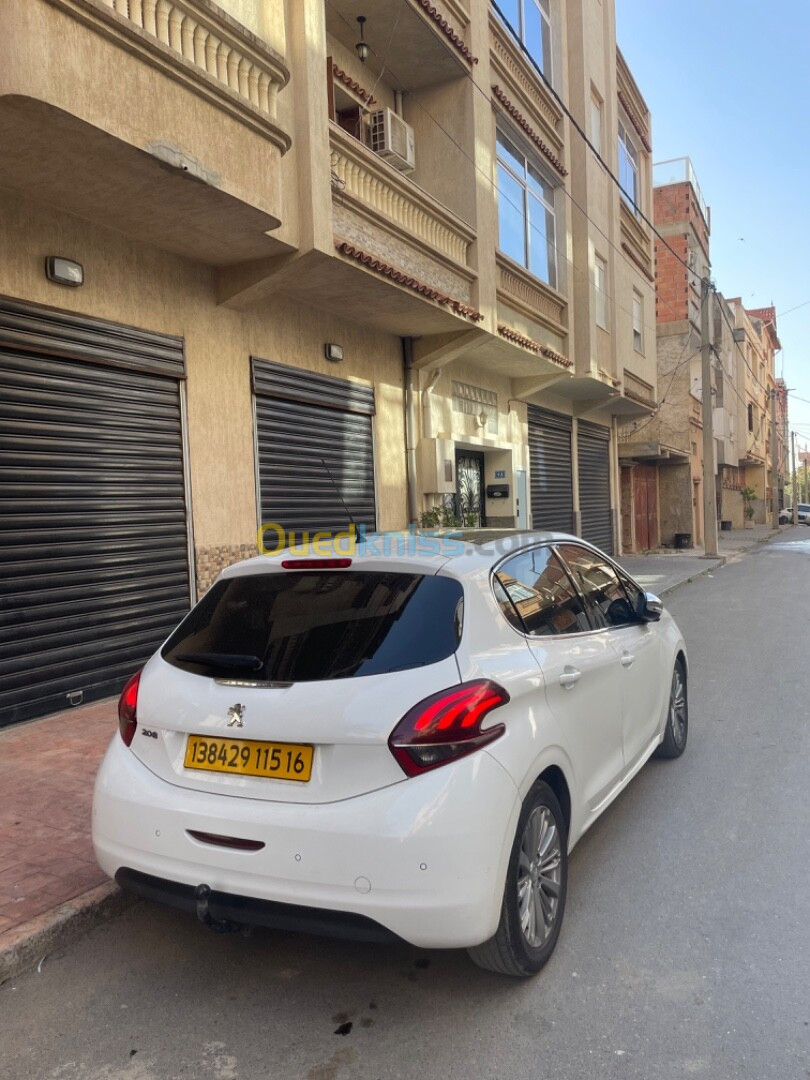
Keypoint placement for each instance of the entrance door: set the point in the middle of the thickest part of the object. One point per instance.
(522, 499)
(645, 501)
(470, 487)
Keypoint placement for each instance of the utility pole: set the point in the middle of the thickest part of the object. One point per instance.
(709, 488)
(796, 499)
(774, 464)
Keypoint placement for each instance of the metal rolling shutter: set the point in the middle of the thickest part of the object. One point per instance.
(550, 465)
(593, 446)
(315, 448)
(94, 566)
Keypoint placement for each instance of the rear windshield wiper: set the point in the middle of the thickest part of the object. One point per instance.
(234, 661)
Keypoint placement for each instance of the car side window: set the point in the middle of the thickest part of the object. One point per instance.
(608, 602)
(539, 591)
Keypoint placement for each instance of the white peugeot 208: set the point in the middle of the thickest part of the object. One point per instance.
(405, 742)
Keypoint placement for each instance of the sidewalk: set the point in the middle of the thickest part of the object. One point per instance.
(49, 877)
(50, 886)
(663, 570)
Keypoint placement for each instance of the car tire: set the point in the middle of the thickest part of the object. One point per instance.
(531, 913)
(676, 730)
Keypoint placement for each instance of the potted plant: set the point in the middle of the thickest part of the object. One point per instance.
(748, 495)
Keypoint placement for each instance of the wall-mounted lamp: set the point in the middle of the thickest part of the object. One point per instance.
(362, 45)
(64, 271)
(333, 353)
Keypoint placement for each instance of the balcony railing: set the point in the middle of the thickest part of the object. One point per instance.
(394, 200)
(677, 171)
(210, 40)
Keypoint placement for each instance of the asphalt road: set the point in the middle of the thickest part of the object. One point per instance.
(685, 950)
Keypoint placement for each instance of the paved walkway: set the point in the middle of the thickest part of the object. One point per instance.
(47, 770)
(48, 767)
(664, 570)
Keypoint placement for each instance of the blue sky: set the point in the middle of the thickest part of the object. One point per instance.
(728, 84)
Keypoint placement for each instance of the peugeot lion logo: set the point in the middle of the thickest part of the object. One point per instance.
(235, 714)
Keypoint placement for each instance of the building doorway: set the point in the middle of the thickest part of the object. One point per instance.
(470, 488)
(645, 506)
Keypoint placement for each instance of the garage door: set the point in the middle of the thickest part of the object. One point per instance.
(315, 447)
(550, 462)
(93, 541)
(593, 446)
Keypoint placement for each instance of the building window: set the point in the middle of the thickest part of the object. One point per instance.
(530, 20)
(628, 170)
(596, 124)
(750, 416)
(526, 225)
(600, 291)
(638, 321)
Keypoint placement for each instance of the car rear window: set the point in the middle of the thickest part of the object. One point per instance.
(307, 626)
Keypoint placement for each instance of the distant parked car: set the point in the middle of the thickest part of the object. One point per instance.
(786, 515)
(392, 746)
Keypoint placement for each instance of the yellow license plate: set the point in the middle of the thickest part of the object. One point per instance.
(244, 757)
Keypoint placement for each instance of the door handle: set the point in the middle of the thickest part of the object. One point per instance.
(569, 678)
(628, 659)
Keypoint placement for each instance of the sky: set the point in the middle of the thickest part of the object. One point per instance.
(728, 85)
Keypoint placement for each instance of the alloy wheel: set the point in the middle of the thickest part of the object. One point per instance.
(677, 706)
(539, 876)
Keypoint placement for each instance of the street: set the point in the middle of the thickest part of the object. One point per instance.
(685, 949)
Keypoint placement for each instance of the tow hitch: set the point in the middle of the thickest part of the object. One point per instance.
(202, 895)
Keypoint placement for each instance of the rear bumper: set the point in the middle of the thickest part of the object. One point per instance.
(423, 860)
(228, 907)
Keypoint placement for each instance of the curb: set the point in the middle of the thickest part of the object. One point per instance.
(24, 946)
(717, 562)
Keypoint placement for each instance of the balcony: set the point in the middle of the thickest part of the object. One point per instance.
(396, 234)
(415, 43)
(161, 120)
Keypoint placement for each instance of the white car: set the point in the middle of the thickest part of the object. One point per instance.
(802, 514)
(391, 745)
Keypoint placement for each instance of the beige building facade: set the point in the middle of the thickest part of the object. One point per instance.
(313, 290)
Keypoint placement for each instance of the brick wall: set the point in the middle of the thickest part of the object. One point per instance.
(677, 215)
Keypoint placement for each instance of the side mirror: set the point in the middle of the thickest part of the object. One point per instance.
(649, 607)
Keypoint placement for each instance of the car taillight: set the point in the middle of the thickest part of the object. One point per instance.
(447, 726)
(128, 710)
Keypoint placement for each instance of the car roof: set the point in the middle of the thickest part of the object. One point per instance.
(459, 552)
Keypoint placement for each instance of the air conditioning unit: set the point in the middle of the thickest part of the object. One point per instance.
(392, 139)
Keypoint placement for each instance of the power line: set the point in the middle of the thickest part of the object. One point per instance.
(782, 314)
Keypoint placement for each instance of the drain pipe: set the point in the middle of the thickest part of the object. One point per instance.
(410, 427)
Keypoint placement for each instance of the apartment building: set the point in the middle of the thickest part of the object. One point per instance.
(301, 264)
(662, 457)
(757, 340)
